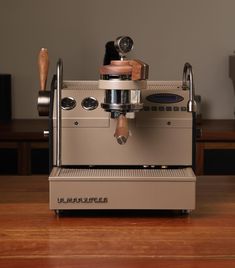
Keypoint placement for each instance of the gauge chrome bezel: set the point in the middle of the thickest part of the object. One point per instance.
(92, 107)
(67, 108)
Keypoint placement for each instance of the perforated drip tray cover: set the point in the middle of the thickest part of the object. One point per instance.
(182, 174)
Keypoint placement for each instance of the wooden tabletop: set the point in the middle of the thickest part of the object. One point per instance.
(32, 236)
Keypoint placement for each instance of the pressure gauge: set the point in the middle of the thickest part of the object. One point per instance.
(123, 45)
(90, 103)
(68, 103)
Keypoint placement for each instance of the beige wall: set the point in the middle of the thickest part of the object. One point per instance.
(167, 33)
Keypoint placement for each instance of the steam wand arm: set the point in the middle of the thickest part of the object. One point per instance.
(43, 65)
(43, 94)
(58, 111)
(188, 76)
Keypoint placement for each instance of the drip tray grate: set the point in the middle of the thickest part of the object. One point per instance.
(124, 173)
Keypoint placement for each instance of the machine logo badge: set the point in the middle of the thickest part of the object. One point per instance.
(82, 200)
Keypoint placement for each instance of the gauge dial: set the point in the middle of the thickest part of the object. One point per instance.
(124, 44)
(90, 103)
(68, 103)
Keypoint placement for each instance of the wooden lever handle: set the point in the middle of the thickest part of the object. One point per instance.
(139, 70)
(136, 68)
(43, 64)
(122, 131)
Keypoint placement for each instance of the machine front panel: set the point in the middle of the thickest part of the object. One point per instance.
(160, 134)
(152, 146)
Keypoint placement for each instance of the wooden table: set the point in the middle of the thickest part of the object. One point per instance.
(32, 236)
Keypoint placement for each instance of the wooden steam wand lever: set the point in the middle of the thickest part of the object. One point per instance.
(122, 131)
(43, 65)
(43, 95)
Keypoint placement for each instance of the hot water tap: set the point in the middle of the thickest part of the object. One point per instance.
(189, 84)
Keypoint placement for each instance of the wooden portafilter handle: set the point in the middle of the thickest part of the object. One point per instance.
(43, 94)
(43, 65)
(122, 131)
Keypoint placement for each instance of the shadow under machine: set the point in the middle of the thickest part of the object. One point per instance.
(121, 142)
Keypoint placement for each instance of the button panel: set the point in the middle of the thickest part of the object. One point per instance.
(165, 108)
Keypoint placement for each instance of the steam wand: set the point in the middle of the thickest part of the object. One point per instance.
(188, 76)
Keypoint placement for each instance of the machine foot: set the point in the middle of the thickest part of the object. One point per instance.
(57, 212)
(186, 212)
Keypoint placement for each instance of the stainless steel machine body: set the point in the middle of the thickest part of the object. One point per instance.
(121, 142)
(152, 170)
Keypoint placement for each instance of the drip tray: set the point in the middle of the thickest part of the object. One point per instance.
(85, 189)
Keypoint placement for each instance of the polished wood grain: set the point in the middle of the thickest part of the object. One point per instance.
(23, 130)
(32, 236)
(217, 130)
(43, 64)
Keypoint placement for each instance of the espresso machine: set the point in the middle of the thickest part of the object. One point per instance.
(121, 142)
